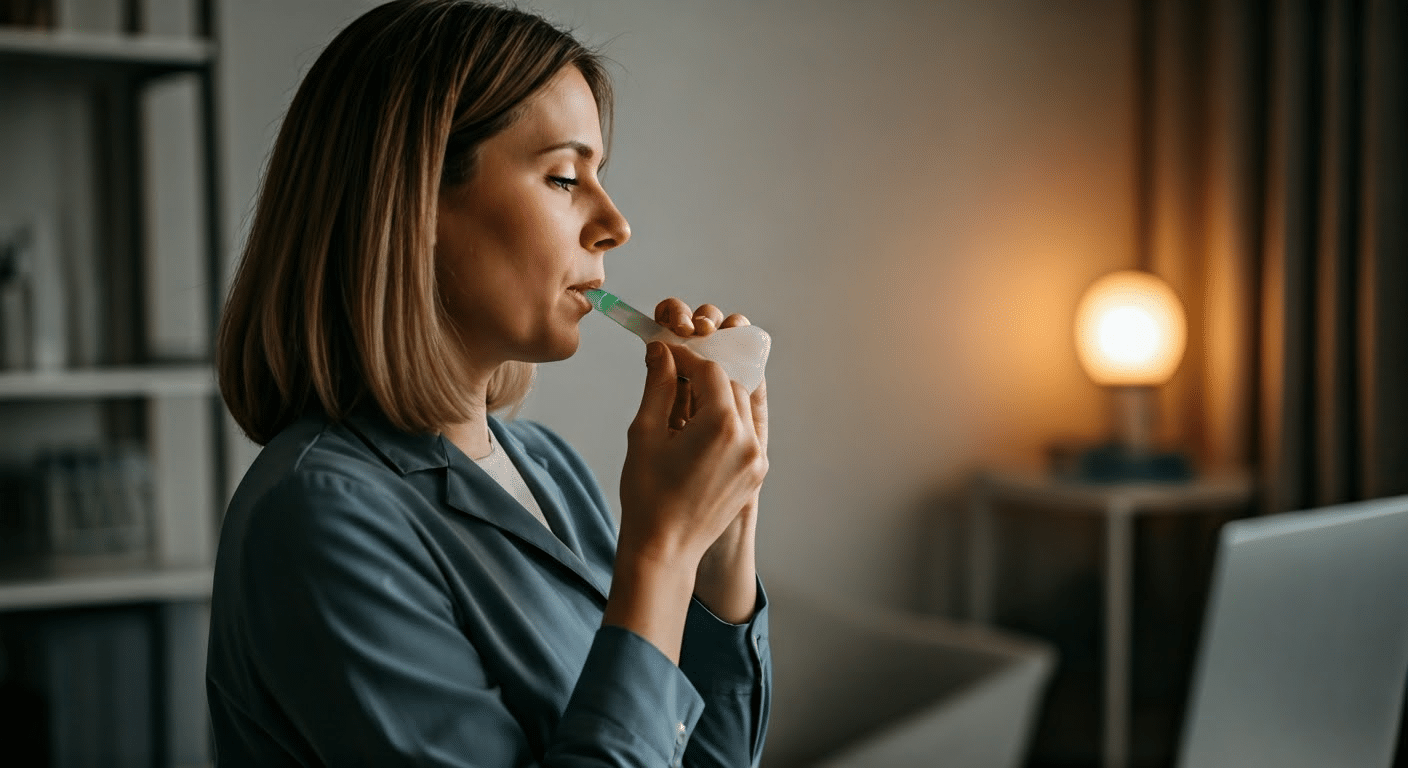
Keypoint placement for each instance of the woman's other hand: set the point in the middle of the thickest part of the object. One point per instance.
(676, 315)
(682, 490)
(683, 485)
(726, 578)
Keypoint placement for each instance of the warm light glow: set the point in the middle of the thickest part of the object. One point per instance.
(1128, 335)
(1130, 330)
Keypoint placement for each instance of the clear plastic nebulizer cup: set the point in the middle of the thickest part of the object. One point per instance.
(742, 351)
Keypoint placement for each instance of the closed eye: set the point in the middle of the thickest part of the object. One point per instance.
(563, 182)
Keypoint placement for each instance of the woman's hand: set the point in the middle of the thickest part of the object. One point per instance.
(726, 580)
(681, 489)
(695, 461)
(682, 485)
(675, 315)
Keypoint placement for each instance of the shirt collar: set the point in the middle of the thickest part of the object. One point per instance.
(405, 451)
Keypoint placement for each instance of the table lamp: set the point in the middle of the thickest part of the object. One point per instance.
(1130, 333)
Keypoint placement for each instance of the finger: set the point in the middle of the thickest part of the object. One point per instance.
(674, 314)
(758, 402)
(733, 321)
(707, 319)
(744, 405)
(680, 412)
(661, 381)
(707, 379)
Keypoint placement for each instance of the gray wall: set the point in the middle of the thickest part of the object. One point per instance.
(908, 194)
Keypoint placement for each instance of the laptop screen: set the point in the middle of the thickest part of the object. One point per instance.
(1304, 653)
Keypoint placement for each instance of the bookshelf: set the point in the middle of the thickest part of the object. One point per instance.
(129, 381)
(142, 56)
(111, 438)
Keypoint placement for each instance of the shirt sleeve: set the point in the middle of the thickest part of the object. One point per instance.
(731, 667)
(349, 624)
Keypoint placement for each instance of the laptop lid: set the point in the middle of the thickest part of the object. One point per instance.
(1304, 653)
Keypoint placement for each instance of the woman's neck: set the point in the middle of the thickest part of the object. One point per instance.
(472, 434)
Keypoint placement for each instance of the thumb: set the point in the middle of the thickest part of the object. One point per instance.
(660, 383)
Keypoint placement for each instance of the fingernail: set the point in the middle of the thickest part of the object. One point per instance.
(653, 351)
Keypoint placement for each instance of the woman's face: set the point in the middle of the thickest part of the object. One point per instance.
(520, 240)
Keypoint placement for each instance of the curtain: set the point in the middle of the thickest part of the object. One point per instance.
(1273, 195)
(1274, 178)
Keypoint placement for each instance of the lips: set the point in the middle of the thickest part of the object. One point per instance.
(578, 289)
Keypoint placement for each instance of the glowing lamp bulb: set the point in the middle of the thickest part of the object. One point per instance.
(1130, 330)
(1128, 335)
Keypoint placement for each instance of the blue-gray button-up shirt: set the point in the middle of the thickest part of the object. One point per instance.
(380, 600)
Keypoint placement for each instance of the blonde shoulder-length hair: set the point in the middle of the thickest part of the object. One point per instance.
(334, 305)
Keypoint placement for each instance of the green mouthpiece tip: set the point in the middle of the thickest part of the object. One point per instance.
(600, 299)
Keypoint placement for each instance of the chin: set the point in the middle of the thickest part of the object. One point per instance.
(557, 349)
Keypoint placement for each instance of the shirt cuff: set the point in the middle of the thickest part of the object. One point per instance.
(720, 657)
(630, 697)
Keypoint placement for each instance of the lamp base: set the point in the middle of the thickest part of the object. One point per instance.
(1117, 463)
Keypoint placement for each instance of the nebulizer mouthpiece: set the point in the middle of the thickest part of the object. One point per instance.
(742, 350)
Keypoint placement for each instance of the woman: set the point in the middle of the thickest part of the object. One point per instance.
(402, 578)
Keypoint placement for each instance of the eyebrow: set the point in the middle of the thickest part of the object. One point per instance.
(582, 150)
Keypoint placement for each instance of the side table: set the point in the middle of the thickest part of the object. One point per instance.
(1119, 503)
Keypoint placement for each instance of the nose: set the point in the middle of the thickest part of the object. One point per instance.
(608, 229)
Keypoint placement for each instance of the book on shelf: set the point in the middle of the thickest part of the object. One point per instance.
(32, 14)
(14, 304)
(92, 16)
(34, 306)
(79, 509)
(164, 18)
(168, 18)
(21, 532)
(177, 321)
(95, 669)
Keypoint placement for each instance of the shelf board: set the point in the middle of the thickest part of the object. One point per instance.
(135, 381)
(148, 54)
(104, 588)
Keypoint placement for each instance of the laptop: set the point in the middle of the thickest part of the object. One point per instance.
(1303, 659)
